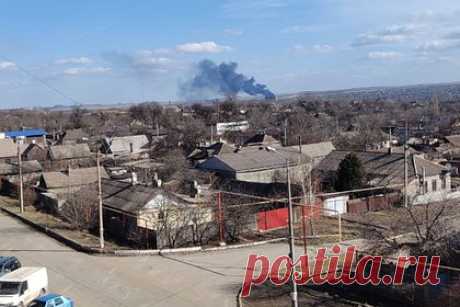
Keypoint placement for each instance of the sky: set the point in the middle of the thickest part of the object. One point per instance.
(106, 52)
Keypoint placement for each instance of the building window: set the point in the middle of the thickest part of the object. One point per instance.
(434, 184)
(444, 183)
(425, 187)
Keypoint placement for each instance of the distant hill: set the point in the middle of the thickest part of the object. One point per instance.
(410, 93)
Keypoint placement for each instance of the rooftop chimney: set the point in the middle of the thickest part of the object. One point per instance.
(133, 178)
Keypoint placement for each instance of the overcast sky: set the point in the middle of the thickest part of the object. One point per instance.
(66, 52)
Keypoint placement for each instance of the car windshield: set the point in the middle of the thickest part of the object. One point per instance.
(9, 288)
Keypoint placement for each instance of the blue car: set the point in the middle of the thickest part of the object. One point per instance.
(52, 300)
(8, 264)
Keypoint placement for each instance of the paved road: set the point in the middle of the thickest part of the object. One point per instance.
(211, 279)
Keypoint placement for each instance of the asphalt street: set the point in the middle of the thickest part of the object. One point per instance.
(204, 279)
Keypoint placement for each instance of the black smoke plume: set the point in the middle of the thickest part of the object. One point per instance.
(210, 79)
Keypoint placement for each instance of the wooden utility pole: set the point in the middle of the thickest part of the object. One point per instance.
(221, 219)
(101, 211)
(21, 181)
(285, 132)
(291, 239)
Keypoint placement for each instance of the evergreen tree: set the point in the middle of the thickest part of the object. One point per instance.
(350, 175)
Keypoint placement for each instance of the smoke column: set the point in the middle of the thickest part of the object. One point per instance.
(222, 79)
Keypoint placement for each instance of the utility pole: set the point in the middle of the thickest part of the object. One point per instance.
(405, 167)
(21, 181)
(285, 132)
(101, 211)
(221, 219)
(291, 239)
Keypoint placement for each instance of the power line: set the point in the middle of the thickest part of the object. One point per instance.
(47, 85)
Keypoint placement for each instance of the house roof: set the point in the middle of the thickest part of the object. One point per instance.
(205, 152)
(63, 152)
(261, 139)
(384, 168)
(25, 133)
(315, 150)
(13, 168)
(75, 134)
(26, 148)
(134, 198)
(123, 144)
(77, 177)
(431, 168)
(253, 159)
(8, 148)
(454, 140)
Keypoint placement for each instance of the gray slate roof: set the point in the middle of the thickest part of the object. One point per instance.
(77, 177)
(316, 150)
(454, 140)
(134, 198)
(64, 152)
(28, 167)
(254, 159)
(382, 167)
(8, 148)
(75, 134)
(122, 145)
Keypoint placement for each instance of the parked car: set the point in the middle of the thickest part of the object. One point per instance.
(8, 264)
(52, 300)
(20, 287)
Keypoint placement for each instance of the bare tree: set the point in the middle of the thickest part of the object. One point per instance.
(81, 209)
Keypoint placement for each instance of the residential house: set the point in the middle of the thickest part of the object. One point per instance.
(27, 136)
(317, 151)
(259, 164)
(261, 139)
(62, 157)
(55, 187)
(73, 136)
(451, 146)
(426, 179)
(145, 169)
(35, 151)
(9, 175)
(202, 153)
(151, 217)
(8, 150)
(126, 145)
(70, 180)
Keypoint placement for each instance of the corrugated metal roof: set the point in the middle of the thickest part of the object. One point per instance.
(25, 133)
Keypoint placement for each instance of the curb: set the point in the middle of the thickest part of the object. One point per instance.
(239, 300)
(130, 253)
(188, 250)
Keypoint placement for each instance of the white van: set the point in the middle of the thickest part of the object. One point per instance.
(19, 288)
